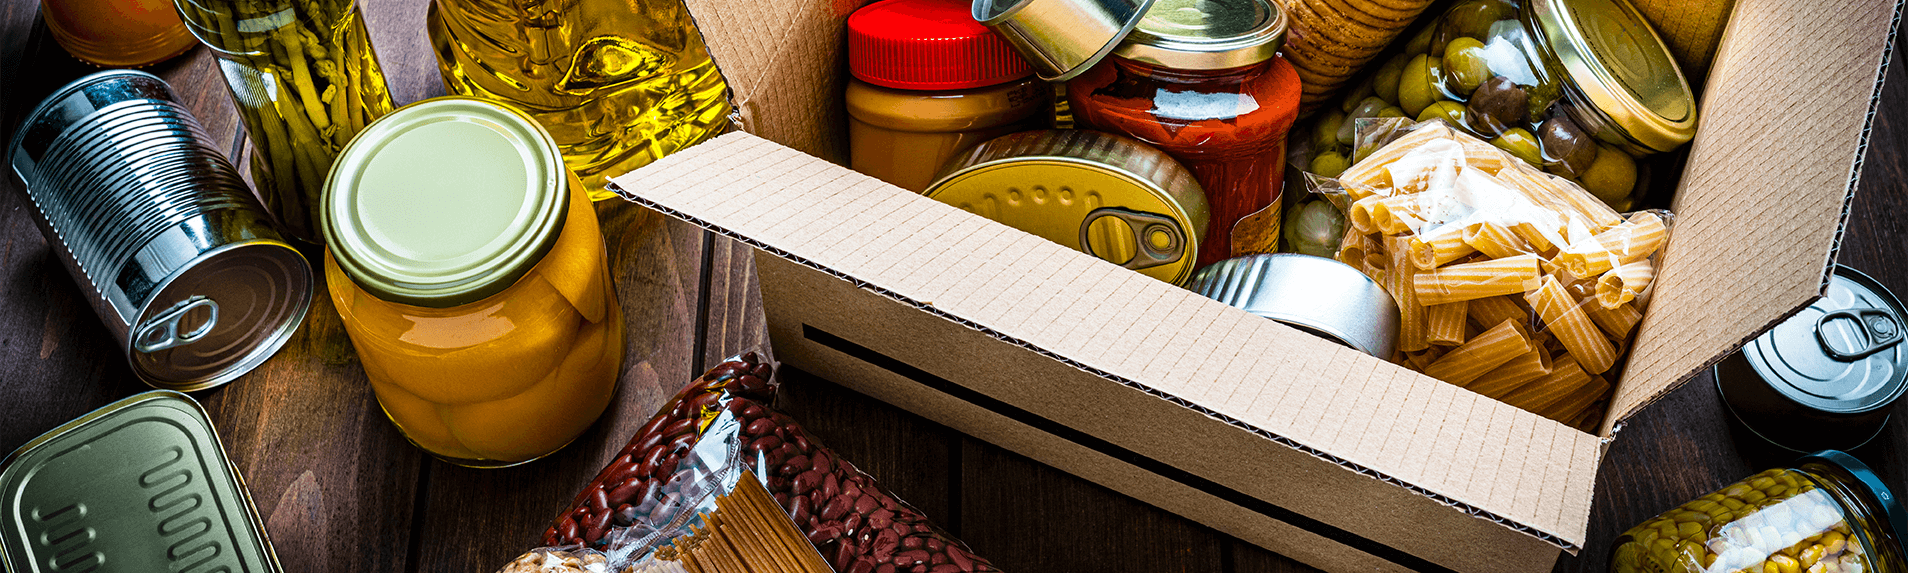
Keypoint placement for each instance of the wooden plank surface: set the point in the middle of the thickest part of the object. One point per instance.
(340, 490)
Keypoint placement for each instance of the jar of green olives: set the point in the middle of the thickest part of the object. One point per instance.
(1582, 88)
(1828, 514)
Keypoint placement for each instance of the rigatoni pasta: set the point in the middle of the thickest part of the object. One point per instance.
(1513, 283)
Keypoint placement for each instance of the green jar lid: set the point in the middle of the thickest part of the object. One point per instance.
(444, 202)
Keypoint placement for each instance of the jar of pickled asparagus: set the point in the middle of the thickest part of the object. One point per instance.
(304, 80)
(1828, 514)
(466, 262)
(1584, 89)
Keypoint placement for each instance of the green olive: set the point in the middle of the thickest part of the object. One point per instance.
(1356, 95)
(1450, 111)
(1385, 82)
(1369, 107)
(1414, 87)
(1611, 177)
(1392, 111)
(1472, 19)
(1325, 130)
(1329, 164)
(1464, 65)
(1519, 142)
(1421, 42)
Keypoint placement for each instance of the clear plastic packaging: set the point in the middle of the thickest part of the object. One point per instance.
(1511, 282)
(699, 444)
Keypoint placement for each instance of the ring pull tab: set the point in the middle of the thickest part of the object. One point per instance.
(1880, 327)
(162, 331)
(1148, 253)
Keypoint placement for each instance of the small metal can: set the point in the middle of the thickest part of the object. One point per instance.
(139, 485)
(1826, 378)
(1102, 194)
(170, 247)
(1314, 294)
(1061, 38)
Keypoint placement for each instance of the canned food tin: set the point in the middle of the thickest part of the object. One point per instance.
(1061, 38)
(139, 485)
(172, 250)
(1314, 294)
(1827, 377)
(1105, 195)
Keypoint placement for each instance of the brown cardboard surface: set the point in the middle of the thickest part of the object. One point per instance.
(1760, 210)
(1106, 332)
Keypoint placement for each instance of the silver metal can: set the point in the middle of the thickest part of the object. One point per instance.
(171, 248)
(1314, 294)
(139, 485)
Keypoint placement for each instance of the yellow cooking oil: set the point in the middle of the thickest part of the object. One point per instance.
(617, 83)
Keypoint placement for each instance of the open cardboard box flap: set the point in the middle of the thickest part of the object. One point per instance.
(1759, 216)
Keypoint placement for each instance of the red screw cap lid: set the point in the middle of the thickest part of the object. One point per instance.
(928, 45)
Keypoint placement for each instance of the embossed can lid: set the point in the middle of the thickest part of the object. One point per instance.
(139, 485)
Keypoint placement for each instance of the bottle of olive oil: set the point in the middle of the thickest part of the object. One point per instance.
(618, 83)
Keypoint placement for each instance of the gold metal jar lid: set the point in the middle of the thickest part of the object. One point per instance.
(445, 202)
(1105, 195)
(1622, 67)
(1061, 38)
(1206, 34)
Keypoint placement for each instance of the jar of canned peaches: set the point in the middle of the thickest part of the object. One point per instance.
(466, 262)
(1828, 514)
(1581, 88)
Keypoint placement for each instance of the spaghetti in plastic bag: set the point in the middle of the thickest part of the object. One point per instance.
(1511, 282)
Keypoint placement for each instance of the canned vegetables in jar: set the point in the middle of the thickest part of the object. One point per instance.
(1583, 89)
(467, 264)
(1830, 513)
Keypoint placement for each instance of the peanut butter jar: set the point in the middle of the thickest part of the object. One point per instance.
(929, 82)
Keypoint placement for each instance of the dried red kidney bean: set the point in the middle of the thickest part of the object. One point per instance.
(856, 525)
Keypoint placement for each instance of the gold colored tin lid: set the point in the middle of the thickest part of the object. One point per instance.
(445, 202)
(1206, 34)
(1619, 63)
(1105, 195)
(1061, 38)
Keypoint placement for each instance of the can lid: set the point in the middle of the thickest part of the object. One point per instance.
(1891, 505)
(1841, 355)
(128, 475)
(1061, 38)
(1109, 196)
(1619, 63)
(1315, 294)
(928, 45)
(444, 202)
(1206, 34)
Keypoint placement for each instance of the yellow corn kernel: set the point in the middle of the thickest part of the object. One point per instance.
(1733, 504)
(1785, 564)
(1691, 530)
(1808, 557)
(1833, 543)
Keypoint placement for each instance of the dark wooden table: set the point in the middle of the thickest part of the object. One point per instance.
(340, 490)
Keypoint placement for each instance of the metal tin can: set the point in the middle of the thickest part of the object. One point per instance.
(1827, 377)
(1061, 38)
(1314, 294)
(172, 250)
(139, 485)
(1102, 194)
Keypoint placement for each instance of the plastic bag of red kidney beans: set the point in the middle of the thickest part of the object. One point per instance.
(698, 444)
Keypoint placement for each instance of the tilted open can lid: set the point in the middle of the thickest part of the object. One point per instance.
(1315, 294)
(1061, 38)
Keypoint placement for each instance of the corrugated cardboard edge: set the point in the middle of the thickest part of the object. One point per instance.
(1554, 539)
(1740, 85)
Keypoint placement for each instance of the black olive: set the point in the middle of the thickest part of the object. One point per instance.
(1496, 106)
(1568, 151)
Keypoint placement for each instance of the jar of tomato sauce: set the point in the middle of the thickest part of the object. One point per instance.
(465, 260)
(1203, 81)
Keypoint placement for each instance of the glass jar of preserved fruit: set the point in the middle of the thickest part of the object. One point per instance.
(1581, 88)
(1202, 81)
(1829, 513)
(117, 33)
(466, 262)
(305, 80)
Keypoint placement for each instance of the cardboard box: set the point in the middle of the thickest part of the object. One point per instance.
(1280, 438)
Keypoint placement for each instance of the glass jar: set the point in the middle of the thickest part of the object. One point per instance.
(117, 33)
(304, 80)
(929, 82)
(1582, 88)
(466, 262)
(1829, 513)
(1202, 81)
(618, 83)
